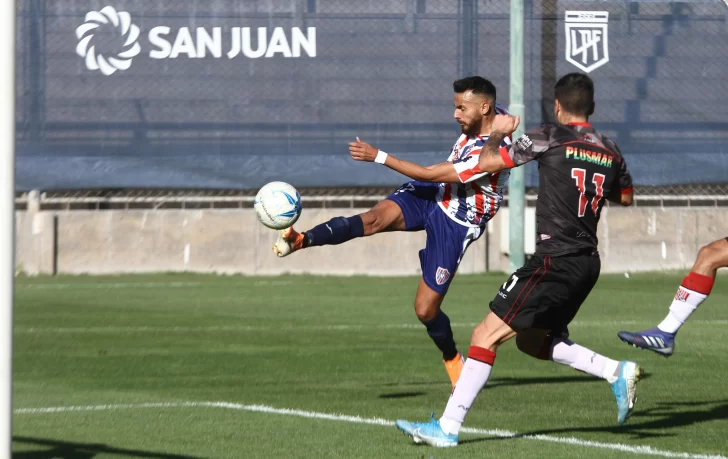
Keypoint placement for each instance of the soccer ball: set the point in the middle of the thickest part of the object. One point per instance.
(278, 205)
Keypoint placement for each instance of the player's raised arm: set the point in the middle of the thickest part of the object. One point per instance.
(494, 157)
(530, 146)
(443, 172)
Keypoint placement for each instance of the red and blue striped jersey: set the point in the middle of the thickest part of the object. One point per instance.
(478, 196)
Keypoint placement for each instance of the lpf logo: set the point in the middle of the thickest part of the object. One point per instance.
(587, 46)
(121, 22)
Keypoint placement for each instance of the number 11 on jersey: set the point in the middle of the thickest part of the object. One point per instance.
(598, 180)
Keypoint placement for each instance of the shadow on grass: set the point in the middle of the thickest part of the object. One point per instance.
(402, 395)
(497, 382)
(663, 417)
(67, 450)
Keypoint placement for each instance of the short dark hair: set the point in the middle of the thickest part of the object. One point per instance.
(575, 92)
(476, 84)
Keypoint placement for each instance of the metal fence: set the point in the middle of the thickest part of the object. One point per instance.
(705, 196)
(231, 94)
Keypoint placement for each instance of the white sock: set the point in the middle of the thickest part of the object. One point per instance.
(685, 303)
(567, 352)
(473, 378)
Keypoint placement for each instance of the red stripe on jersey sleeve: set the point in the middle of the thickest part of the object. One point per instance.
(506, 158)
(627, 190)
(469, 173)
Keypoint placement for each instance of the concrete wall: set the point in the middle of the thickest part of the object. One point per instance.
(641, 238)
(232, 241)
(34, 242)
(224, 241)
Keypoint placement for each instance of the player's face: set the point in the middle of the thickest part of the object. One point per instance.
(469, 111)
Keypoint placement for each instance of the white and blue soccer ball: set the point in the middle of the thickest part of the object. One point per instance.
(278, 205)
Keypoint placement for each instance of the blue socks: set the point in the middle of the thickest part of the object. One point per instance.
(441, 333)
(335, 231)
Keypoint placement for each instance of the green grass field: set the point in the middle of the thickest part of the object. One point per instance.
(192, 366)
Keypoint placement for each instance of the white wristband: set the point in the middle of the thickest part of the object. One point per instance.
(381, 157)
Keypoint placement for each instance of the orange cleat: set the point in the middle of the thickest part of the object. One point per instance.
(288, 242)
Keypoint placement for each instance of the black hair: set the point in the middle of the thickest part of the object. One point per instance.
(575, 93)
(476, 84)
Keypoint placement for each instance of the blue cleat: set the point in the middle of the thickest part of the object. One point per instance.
(427, 432)
(653, 339)
(625, 389)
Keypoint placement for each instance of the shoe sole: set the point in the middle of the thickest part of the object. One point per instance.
(663, 354)
(433, 443)
(286, 238)
(638, 373)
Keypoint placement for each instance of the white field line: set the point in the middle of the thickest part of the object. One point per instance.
(645, 450)
(342, 327)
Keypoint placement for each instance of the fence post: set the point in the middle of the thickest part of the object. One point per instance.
(516, 183)
(467, 38)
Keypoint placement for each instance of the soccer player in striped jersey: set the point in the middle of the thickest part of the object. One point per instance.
(452, 201)
(693, 290)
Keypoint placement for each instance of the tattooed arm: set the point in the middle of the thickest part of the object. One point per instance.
(494, 157)
(491, 157)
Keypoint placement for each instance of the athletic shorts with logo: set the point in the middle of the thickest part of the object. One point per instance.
(447, 240)
(547, 292)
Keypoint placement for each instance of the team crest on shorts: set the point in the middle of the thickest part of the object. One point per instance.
(442, 275)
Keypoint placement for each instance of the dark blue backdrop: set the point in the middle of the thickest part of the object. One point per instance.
(382, 73)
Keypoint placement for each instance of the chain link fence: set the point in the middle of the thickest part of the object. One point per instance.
(227, 95)
(660, 70)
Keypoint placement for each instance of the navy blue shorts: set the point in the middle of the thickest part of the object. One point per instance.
(447, 240)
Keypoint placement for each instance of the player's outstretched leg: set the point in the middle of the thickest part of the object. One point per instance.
(653, 339)
(622, 376)
(437, 323)
(693, 290)
(385, 216)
